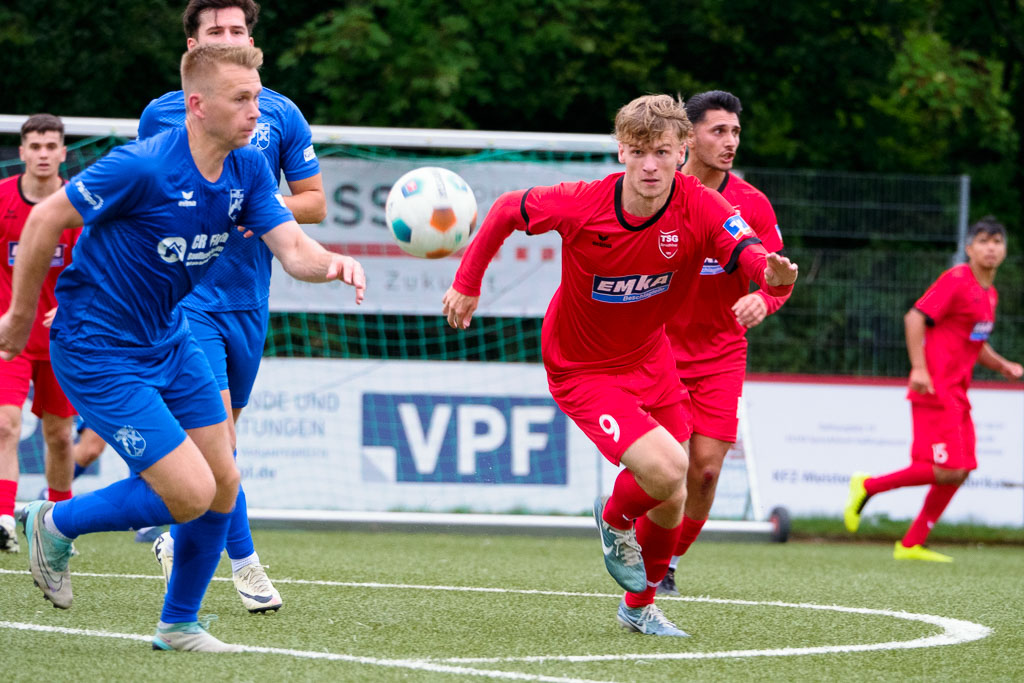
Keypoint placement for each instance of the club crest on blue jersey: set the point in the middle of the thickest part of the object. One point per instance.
(629, 288)
(235, 204)
(668, 243)
(132, 443)
(981, 330)
(737, 227)
(172, 249)
(261, 136)
(711, 267)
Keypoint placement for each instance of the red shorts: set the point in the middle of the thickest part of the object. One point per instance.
(616, 409)
(943, 437)
(15, 376)
(715, 402)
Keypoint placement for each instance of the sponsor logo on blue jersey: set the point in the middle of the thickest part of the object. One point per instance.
(629, 288)
(737, 227)
(981, 331)
(95, 201)
(711, 267)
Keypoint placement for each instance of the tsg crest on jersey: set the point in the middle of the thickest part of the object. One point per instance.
(668, 243)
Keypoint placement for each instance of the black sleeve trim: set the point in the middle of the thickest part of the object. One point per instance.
(928, 320)
(734, 260)
(522, 210)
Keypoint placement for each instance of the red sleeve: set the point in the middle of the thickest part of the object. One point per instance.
(935, 302)
(773, 303)
(505, 216)
(735, 243)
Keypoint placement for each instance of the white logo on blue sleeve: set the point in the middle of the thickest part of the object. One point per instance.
(308, 154)
(235, 205)
(95, 201)
(172, 249)
(629, 288)
(737, 227)
(132, 443)
(280, 200)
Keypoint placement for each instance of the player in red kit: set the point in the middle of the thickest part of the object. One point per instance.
(711, 346)
(947, 332)
(632, 248)
(42, 149)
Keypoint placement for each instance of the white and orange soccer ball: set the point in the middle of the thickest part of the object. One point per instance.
(431, 212)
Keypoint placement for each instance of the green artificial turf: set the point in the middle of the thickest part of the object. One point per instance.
(391, 607)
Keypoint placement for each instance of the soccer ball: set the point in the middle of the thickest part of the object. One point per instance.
(431, 212)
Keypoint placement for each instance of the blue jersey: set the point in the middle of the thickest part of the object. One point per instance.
(153, 225)
(241, 279)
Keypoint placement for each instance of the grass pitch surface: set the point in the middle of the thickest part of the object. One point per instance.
(448, 607)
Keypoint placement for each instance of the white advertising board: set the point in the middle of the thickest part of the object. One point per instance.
(519, 282)
(811, 435)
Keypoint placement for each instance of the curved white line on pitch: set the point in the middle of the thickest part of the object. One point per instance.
(416, 664)
(954, 631)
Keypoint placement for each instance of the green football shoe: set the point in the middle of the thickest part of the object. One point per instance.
(918, 552)
(48, 555)
(621, 553)
(855, 502)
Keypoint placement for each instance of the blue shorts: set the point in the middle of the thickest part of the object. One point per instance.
(140, 405)
(233, 343)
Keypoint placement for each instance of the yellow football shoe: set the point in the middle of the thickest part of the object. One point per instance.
(918, 552)
(855, 503)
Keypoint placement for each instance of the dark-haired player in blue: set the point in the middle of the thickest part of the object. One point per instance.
(157, 214)
(228, 311)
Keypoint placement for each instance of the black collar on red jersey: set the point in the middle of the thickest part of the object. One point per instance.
(650, 221)
(725, 181)
(22, 194)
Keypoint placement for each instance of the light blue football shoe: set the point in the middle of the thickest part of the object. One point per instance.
(190, 636)
(48, 555)
(649, 620)
(622, 555)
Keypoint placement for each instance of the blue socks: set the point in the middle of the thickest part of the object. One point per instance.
(126, 504)
(78, 471)
(239, 544)
(197, 548)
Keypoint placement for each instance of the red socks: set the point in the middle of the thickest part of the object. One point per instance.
(55, 496)
(918, 474)
(8, 491)
(657, 543)
(935, 504)
(688, 534)
(627, 502)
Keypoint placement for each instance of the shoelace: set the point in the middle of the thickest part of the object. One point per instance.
(627, 547)
(205, 621)
(653, 613)
(259, 579)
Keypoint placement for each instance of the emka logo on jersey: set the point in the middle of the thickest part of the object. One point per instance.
(186, 198)
(737, 227)
(261, 136)
(203, 249)
(426, 438)
(668, 243)
(95, 201)
(981, 330)
(235, 202)
(58, 254)
(629, 288)
(711, 267)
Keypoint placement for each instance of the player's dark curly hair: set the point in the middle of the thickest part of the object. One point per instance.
(699, 104)
(190, 17)
(42, 123)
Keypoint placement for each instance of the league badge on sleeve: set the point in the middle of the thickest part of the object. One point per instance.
(738, 228)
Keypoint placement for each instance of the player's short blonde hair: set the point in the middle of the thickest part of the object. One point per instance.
(200, 64)
(646, 119)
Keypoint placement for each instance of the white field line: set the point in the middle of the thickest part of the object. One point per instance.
(954, 631)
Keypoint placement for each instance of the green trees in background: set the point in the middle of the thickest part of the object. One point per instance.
(921, 86)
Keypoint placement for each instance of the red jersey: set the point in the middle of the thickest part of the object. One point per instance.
(960, 314)
(708, 338)
(623, 276)
(14, 210)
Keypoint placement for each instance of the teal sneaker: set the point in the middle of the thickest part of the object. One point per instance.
(48, 555)
(190, 636)
(621, 553)
(649, 620)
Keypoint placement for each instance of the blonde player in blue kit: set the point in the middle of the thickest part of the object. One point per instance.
(157, 215)
(228, 311)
